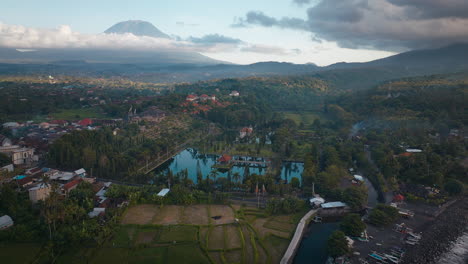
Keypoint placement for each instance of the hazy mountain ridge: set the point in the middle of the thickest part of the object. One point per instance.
(173, 67)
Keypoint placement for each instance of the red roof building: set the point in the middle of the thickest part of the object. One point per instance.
(398, 198)
(191, 97)
(71, 185)
(225, 158)
(85, 122)
(406, 154)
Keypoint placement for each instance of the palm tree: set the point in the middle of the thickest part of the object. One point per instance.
(214, 174)
(236, 177)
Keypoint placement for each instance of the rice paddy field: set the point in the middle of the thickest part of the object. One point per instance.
(198, 234)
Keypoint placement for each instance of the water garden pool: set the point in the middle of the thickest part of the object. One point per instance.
(194, 161)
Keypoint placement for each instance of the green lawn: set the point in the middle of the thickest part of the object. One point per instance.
(80, 113)
(122, 237)
(111, 255)
(148, 255)
(19, 252)
(307, 118)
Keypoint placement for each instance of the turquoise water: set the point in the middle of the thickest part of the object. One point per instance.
(313, 248)
(191, 160)
(19, 177)
(291, 169)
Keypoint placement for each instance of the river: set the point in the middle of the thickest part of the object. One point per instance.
(313, 248)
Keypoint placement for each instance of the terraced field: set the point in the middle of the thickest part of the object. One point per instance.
(198, 234)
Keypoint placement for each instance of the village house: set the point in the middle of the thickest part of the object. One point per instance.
(24, 181)
(85, 122)
(7, 168)
(80, 173)
(191, 98)
(19, 155)
(234, 94)
(245, 132)
(39, 192)
(11, 125)
(24, 156)
(333, 209)
(4, 141)
(67, 188)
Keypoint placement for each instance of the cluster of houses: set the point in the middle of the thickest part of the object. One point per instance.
(33, 182)
(38, 189)
(201, 98)
(34, 138)
(204, 97)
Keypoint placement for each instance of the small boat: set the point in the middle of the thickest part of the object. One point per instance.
(375, 256)
(392, 258)
(317, 219)
(414, 235)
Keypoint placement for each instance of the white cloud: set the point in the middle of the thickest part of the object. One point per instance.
(27, 39)
(24, 38)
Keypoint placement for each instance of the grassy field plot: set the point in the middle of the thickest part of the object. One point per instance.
(232, 235)
(186, 254)
(225, 212)
(146, 236)
(79, 113)
(111, 255)
(216, 256)
(148, 255)
(263, 231)
(196, 215)
(276, 247)
(15, 253)
(305, 118)
(168, 215)
(233, 256)
(216, 238)
(124, 237)
(188, 234)
(202, 235)
(140, 214)
(178, 234)
(280, 226)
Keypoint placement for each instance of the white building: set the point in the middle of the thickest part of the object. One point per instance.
(413, 150)
(6, 222)
(23, 156)
(81, 172)
(316, 201)
(234, 94)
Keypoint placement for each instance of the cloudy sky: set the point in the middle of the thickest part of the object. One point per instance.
(243, 31)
